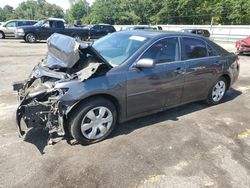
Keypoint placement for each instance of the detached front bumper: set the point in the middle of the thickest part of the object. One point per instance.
(36, 111)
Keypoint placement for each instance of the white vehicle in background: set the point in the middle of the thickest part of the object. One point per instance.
(1, 23)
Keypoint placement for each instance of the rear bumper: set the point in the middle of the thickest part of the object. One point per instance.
(234, 71)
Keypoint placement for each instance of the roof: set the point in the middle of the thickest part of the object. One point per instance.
(21, 20)
(159, 33)
(194, 29)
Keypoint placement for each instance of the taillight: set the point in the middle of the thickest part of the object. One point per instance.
(237, 61)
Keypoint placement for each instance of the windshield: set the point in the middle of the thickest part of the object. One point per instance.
(118, 47)
(40, 23)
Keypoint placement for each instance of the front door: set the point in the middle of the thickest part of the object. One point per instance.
(150, 89)
(48, 28)
(10, 29)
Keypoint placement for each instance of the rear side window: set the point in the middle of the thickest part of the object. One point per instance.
(97, 27)
(166, 50)
(194, 48)
(211, 51)
(206, 33)
(22, 23)
(219, 49)
(111, 29)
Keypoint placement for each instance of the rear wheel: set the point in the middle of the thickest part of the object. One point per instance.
(93, 121)
(2, 36)
(217, 92)
(30, 38)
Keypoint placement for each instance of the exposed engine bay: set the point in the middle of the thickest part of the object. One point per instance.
(67, 60)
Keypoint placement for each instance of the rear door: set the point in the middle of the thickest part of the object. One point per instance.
(151, 89)
(201, 66)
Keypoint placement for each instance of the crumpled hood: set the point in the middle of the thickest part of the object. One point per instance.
(63, 52)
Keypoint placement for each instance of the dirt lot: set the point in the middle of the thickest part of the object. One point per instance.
(190, 146)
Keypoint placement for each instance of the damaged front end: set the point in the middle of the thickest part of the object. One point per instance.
(39, 95)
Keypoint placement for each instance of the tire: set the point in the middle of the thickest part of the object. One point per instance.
(2, 35)
(88, 126)
(217, 92)
(31, 38)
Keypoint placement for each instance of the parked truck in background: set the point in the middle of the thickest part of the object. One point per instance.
(45, 28)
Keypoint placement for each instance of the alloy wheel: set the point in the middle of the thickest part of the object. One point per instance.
(31, 38)
(218, 91)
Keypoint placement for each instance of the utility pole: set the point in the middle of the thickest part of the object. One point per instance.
(211, 23)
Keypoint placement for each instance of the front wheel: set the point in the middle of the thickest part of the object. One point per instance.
(217, 92)
(30, 38)
(93, 121)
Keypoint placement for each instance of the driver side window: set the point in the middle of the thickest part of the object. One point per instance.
(11, 24)
(163, 51)
(50, 24)
(46, 24)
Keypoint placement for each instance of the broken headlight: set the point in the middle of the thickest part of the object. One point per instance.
(57, 93)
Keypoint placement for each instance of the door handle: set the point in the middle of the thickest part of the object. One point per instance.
(179, 70)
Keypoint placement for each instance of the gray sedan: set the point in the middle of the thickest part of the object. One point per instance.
(85, 90)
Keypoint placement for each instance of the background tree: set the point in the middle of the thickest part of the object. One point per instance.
(31, 9)
(6, 12)
(78, 10)
(137, 11)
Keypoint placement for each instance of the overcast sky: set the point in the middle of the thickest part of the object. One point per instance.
(62, 3)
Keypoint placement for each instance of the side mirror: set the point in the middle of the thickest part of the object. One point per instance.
(145, 63)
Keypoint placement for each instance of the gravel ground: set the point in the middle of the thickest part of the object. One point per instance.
(190, 146)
